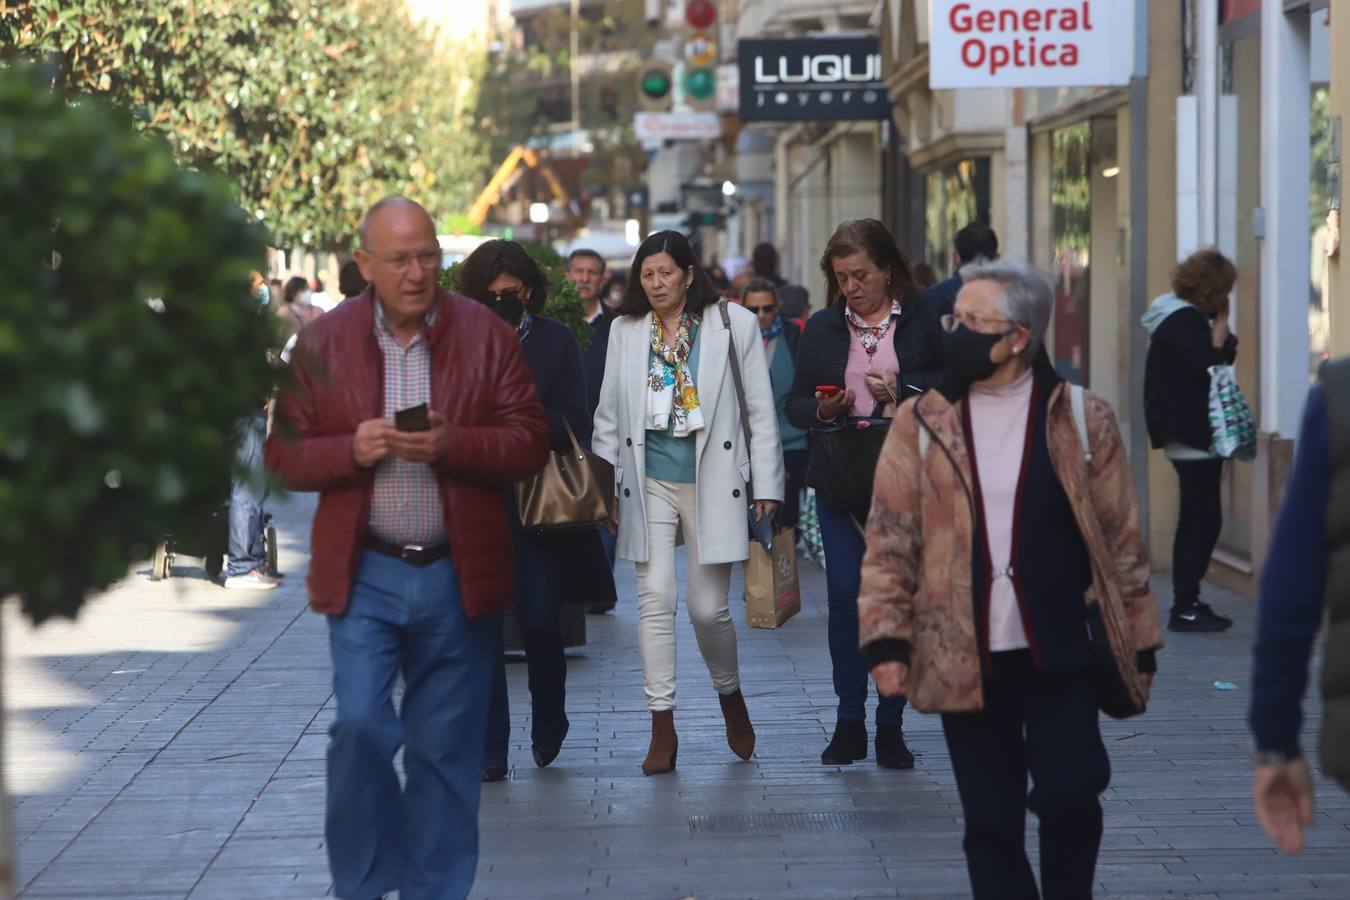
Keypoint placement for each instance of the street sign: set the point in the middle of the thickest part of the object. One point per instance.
(656, 127)
(1030, 43)
(811, 79)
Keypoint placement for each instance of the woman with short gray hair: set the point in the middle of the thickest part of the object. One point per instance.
(1007, 466)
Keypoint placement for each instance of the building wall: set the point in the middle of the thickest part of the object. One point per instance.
(1338, 271)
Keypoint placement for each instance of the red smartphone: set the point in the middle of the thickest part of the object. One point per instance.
(829, 390)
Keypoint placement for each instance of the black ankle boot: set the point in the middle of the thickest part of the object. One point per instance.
(848, 745)
(891, 750)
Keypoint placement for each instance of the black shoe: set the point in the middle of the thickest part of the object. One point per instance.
(494, 772)
(546, 752)
(848, 745)
(1197, 617)
(891, 750)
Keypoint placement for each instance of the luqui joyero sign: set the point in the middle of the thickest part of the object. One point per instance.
(811, 79)
(1030, 43)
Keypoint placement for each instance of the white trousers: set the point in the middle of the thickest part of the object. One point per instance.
(670, 505)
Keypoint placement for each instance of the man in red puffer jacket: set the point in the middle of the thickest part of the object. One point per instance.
(411, 551)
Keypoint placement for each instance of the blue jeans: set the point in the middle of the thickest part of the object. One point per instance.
(421, 840)
(248, 490)
(539, 616)
(843, 577)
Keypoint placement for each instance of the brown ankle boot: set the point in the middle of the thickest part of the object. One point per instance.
(740, 733)
(665, 744)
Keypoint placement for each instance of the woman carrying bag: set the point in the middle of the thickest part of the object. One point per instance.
(876, 342)
(503, 276)
(1005, 585)
(1188, 333)
(670, 421)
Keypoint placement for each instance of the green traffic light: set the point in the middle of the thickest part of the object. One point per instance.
(656, 84)
(700, 83)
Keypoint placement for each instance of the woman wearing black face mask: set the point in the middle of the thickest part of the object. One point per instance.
(997, 533)
(503, 276)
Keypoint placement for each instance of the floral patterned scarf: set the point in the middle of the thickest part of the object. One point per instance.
(870, 335)
(671, 395)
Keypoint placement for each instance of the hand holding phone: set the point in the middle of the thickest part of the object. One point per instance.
(413, 418)
(832, 402)
(827, 390)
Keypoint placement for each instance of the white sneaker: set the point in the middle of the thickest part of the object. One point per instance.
(257, 580)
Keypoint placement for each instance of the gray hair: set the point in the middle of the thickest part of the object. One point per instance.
(1027, 297)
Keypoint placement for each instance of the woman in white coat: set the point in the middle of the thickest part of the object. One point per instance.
(670, 423)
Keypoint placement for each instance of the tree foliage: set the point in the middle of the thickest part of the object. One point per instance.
(129, 345)
(315, 108)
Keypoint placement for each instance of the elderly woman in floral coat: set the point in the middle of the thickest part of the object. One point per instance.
(1005, 584)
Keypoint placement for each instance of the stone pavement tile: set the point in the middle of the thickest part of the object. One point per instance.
(264, 885)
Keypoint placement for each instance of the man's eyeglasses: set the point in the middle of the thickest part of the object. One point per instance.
(761, 309)
(399, 262)
(975, 323)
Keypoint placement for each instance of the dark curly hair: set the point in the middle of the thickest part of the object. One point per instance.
(701, 293)
(498, 257)
(1205, 278)
(871, 237)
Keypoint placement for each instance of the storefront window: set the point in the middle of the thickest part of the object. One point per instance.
(1071, 236)
(956, 195)
(1319, 194)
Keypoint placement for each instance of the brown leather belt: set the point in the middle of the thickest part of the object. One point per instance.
(416, 554)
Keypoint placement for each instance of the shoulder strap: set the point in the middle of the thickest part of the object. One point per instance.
(740, 385)
(1079, 407)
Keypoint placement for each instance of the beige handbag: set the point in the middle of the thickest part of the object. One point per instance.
(574, 489)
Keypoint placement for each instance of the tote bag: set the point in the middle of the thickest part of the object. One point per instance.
(1231, 425)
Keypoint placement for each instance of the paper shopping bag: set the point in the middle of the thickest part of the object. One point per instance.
(772, 594)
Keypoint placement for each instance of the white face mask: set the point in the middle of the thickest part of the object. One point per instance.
(304, 297)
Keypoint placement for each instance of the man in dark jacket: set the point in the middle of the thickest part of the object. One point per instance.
(1189, 333)
(973, 242)
(410, 549)
(1305, 575)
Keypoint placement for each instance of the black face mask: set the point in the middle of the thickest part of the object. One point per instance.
(508, 305)
(968, 352)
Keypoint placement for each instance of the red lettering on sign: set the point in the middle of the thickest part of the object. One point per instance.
(1019, 54)
(960, 18)
(1058, 18)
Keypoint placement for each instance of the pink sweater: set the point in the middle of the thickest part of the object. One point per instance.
(998, 422)
(858, 365)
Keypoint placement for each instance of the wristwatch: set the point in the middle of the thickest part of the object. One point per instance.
(1275, 757)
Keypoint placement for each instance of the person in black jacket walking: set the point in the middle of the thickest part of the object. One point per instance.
(1189, 333)
(502, 275)
(877, 342)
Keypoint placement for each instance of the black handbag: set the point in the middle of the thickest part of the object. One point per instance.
(1114, 696)
(843, 462)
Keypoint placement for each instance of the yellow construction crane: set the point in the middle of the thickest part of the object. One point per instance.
(508, 174)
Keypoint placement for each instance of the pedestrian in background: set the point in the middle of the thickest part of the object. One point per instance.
(682, 467)
(591, 577)
(1189, 332)
(875, 343)
(781, 339)
(502, 275)
(350, 280)
(247, 568)
(924, 276)
(764, 264)
(977, 610)
(296, 311)
(1303, 581)
(975, 241)
(410, 550)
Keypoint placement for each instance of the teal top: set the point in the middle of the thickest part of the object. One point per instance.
(670, 458)
(781, 372)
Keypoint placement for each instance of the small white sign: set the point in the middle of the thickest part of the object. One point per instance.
(1030, 43)
(676, 126)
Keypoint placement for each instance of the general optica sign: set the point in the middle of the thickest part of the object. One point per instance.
(1030, 43)
(811, 79)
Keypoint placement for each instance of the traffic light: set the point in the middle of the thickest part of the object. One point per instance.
(700, 55)
(654, 86)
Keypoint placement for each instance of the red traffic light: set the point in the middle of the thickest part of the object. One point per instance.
(700, 14)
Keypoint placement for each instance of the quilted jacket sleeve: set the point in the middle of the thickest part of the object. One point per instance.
(513, 442)
(891, 566)
(1113, 499)
(302, 457)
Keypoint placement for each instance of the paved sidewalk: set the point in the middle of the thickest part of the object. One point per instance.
(170, 744)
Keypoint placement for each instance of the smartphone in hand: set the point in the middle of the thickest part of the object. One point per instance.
(414, 418)
(828, 390)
